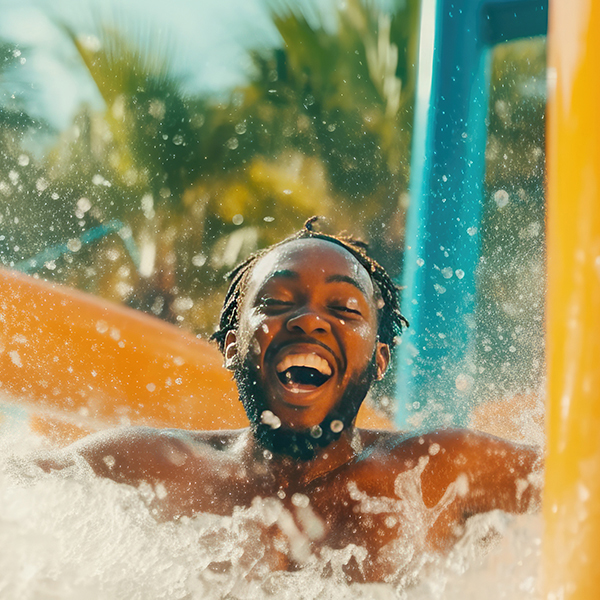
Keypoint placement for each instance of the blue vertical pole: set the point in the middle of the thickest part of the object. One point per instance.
(435, 360)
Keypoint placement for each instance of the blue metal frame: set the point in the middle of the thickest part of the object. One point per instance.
(87, 237)
(434, 362)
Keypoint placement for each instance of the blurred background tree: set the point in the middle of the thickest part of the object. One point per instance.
(321, 125)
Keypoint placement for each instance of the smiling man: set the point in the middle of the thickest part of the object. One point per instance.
(306, 327)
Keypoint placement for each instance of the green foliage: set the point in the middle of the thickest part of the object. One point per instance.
(322, 126)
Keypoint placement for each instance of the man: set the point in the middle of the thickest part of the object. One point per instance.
(306, 327)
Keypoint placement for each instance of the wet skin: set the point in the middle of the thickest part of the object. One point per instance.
(368, 488)
(308, 297)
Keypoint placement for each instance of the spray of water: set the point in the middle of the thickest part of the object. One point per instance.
(71, 535)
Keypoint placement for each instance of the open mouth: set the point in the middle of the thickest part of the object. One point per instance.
(303, 372)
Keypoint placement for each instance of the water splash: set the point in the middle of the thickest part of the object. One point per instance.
(71, 535)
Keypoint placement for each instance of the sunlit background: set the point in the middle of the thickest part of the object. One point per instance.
(146, 148)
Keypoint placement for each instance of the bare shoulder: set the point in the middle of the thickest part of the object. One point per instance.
(489, 472)
(458, 445)
(136, 453)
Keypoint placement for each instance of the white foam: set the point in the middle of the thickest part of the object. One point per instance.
(71, 535)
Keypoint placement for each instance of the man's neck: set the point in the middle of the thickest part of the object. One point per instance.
(293, 472)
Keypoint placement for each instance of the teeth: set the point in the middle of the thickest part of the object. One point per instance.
(305, 360)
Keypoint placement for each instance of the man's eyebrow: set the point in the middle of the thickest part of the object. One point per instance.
(347, 279)
(283, 273)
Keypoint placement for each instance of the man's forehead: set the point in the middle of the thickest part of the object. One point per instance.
(313, 254)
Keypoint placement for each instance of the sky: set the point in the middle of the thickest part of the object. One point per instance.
(207, 39)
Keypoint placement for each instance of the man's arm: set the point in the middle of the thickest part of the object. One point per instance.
(168, 460)
(492, 473)
(485, 472)
(124, 455)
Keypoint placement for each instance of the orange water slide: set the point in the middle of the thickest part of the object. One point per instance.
(77, 363)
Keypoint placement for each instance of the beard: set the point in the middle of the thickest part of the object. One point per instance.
(304, 444)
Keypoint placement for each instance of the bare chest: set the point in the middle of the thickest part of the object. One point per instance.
(383, 522)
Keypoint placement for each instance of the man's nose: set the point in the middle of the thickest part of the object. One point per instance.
(308, 321)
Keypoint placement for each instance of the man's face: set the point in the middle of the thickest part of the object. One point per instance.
(308, 331)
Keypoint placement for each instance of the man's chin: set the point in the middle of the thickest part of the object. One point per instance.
(302, 444)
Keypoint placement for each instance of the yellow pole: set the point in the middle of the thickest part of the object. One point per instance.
(572, 490)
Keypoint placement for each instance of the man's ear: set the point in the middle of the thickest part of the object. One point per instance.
(382, 359)
(231, 352)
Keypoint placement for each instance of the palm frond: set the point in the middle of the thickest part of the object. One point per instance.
(121, 64)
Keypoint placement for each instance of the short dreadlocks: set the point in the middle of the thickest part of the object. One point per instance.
(390, 319)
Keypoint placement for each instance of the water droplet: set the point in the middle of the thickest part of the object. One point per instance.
(463, 382)
(237, 219)
(109, 461)
(199, 260)
(15, 358)
(97, 179)
(501, 198)
(232, 143)
(74, 245)
(300, 500)
(336, 426)
(101, 326)
(182, 304)
(267, 417)
(434, 449)
(83, 204)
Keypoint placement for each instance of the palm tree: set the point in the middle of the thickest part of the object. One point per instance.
(201, 183)
(336, 98)
(20, 175)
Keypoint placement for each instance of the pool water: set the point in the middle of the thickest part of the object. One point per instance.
(71, 535)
